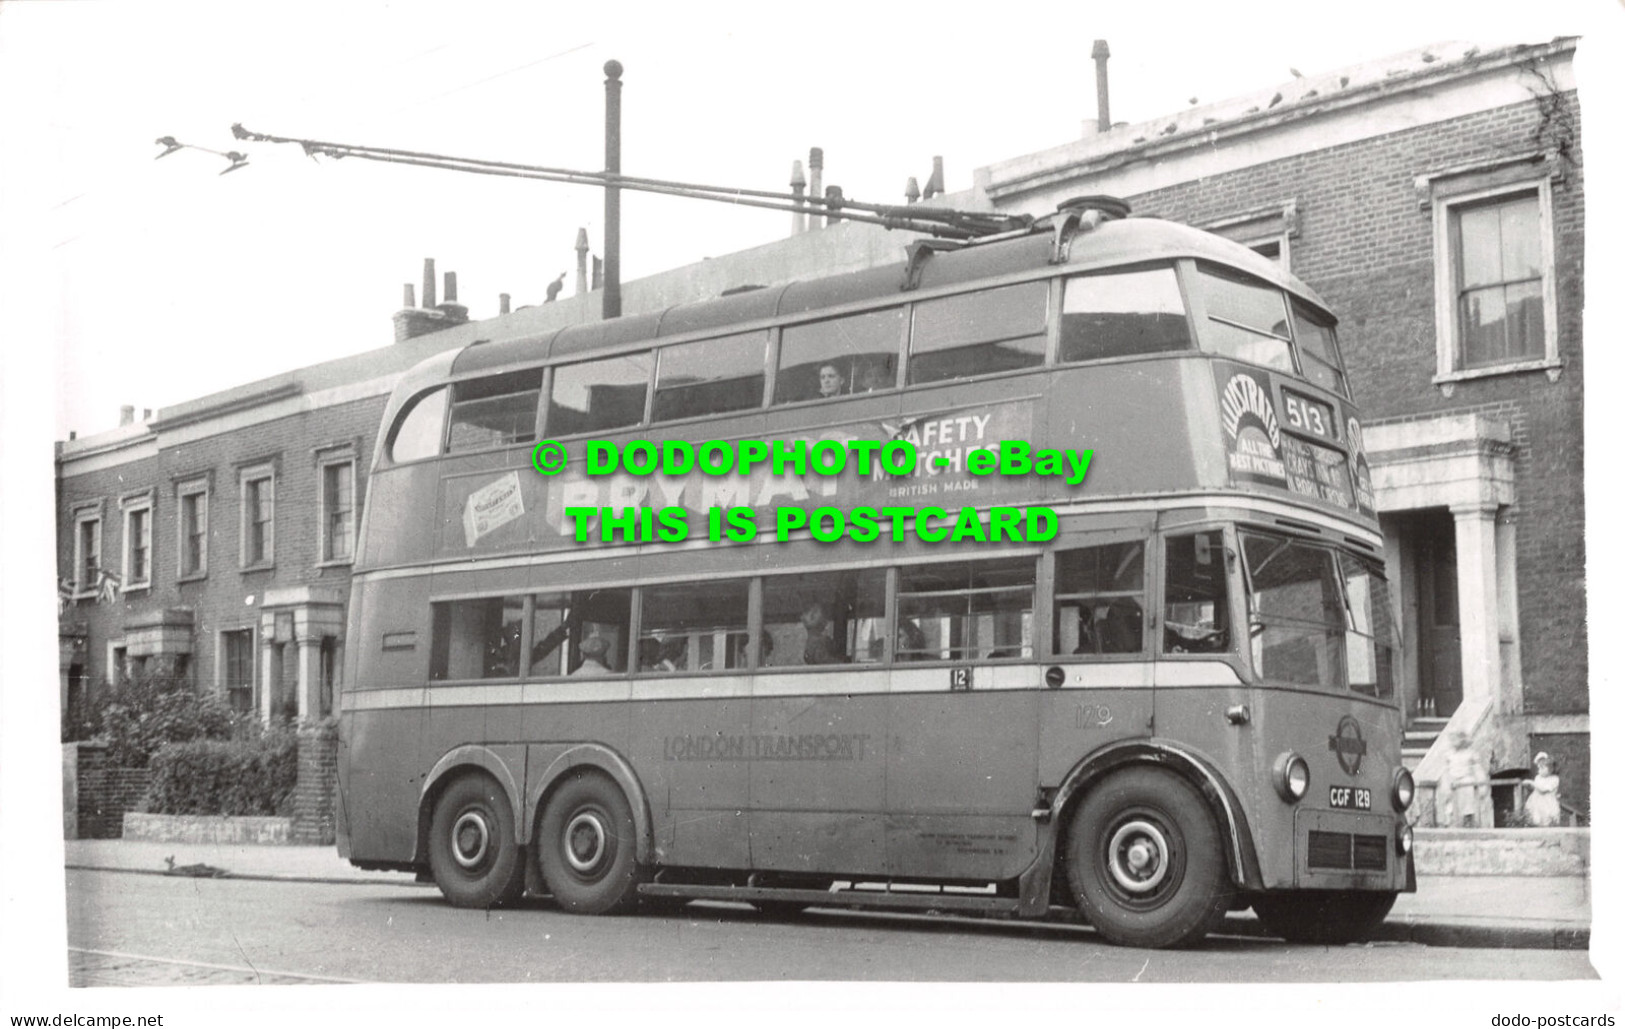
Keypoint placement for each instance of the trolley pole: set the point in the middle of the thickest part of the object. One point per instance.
(612, 192)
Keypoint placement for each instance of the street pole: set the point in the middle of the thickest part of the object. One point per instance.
(612, 192)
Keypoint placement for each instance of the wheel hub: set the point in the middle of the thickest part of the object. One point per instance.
(1137, 856)
(585, 841)
(470, 839)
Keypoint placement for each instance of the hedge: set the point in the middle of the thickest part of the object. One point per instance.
(225, 777)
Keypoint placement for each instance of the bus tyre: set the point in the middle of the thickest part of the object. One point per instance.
(1324, 916)
(1145, 860)
(587, 846)
(473, 848)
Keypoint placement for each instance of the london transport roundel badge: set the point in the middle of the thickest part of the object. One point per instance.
(1348, 744)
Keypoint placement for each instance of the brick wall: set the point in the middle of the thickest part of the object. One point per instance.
(106, 793)
(313, 795)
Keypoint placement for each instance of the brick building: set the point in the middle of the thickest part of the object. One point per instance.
(1434, 198)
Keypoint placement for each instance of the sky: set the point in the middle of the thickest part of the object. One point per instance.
(129, 280)
(156, 281)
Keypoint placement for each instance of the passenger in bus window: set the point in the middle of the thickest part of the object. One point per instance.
(672, 654)
(875, 377)
(821, 647)
(1086, 631)
(593, 651)
(831, 383)
(910, 642)
(1122, 630)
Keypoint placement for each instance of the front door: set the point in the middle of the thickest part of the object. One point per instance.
(1438, 618)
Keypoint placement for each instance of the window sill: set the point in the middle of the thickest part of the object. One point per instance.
(136, 587)
(267, 566)
(1552, 366)
(191, 577)
(341, 562)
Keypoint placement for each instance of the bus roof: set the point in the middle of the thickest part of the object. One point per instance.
(1113, 243)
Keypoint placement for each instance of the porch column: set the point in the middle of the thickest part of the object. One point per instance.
(310, 676)
(1479, 600)
(270, 673)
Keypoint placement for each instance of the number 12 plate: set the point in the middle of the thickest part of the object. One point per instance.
(1357, 798)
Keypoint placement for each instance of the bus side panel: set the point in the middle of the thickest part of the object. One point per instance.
(1074, 723)
(383, 776)
(389, 633)
(1104, 409)
(961, 778)
(690, 756)
(818, 781)
(399, 522)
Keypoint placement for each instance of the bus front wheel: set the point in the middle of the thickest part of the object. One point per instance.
(587, 846)
(1145, 860)
(1324, 916)
(473, 846)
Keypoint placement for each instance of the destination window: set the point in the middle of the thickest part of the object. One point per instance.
(1120, 314)
(711, 376)
(694, 627)
(966, 611)
(839, 356)
(1246, 319)
(419, 428)
(596, 396)
(1196, 608)
(476, 639)
(495, 412)
(1294, 612)
(1100, 600)
(579, 633)
(823, 619)
(992, 330)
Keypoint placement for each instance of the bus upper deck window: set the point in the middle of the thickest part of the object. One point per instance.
(1197, 615)
(1120, 314)
(993, 330)
(418, 430)
(1245, 319)
(711, 376)
(860, 351)
(1317, 346)
(596, 396)
(494, 412)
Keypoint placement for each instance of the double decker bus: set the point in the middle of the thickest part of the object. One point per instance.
(1173, 698)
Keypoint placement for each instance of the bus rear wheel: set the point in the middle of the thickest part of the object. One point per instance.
(1324, 916)
(473, 846)
(587, 846)
(1145, 860)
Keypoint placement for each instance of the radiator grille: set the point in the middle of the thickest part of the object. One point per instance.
(1345, 852)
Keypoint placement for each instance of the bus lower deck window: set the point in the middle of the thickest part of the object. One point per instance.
(1100, 600)
(694, 627)
(476, 639)
(823, 619)
(1196, 618)
(966, 611)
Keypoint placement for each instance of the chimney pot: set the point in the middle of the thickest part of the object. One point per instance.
(911, 192)
(428, 282)
(502, 303)
(146, 414)
(409, 297)
(1102, 95)
(451, 287)
(126, 414)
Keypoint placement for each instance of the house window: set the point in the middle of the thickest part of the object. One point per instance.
(258, 516)
(137, 565)
(87, 553)
(193, 541)
(1495, 293)
(338, 512)
(237, 668)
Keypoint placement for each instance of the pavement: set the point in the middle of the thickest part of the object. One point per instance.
(1551, 913)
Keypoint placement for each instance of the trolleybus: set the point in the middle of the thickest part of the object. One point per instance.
(1172, 698)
